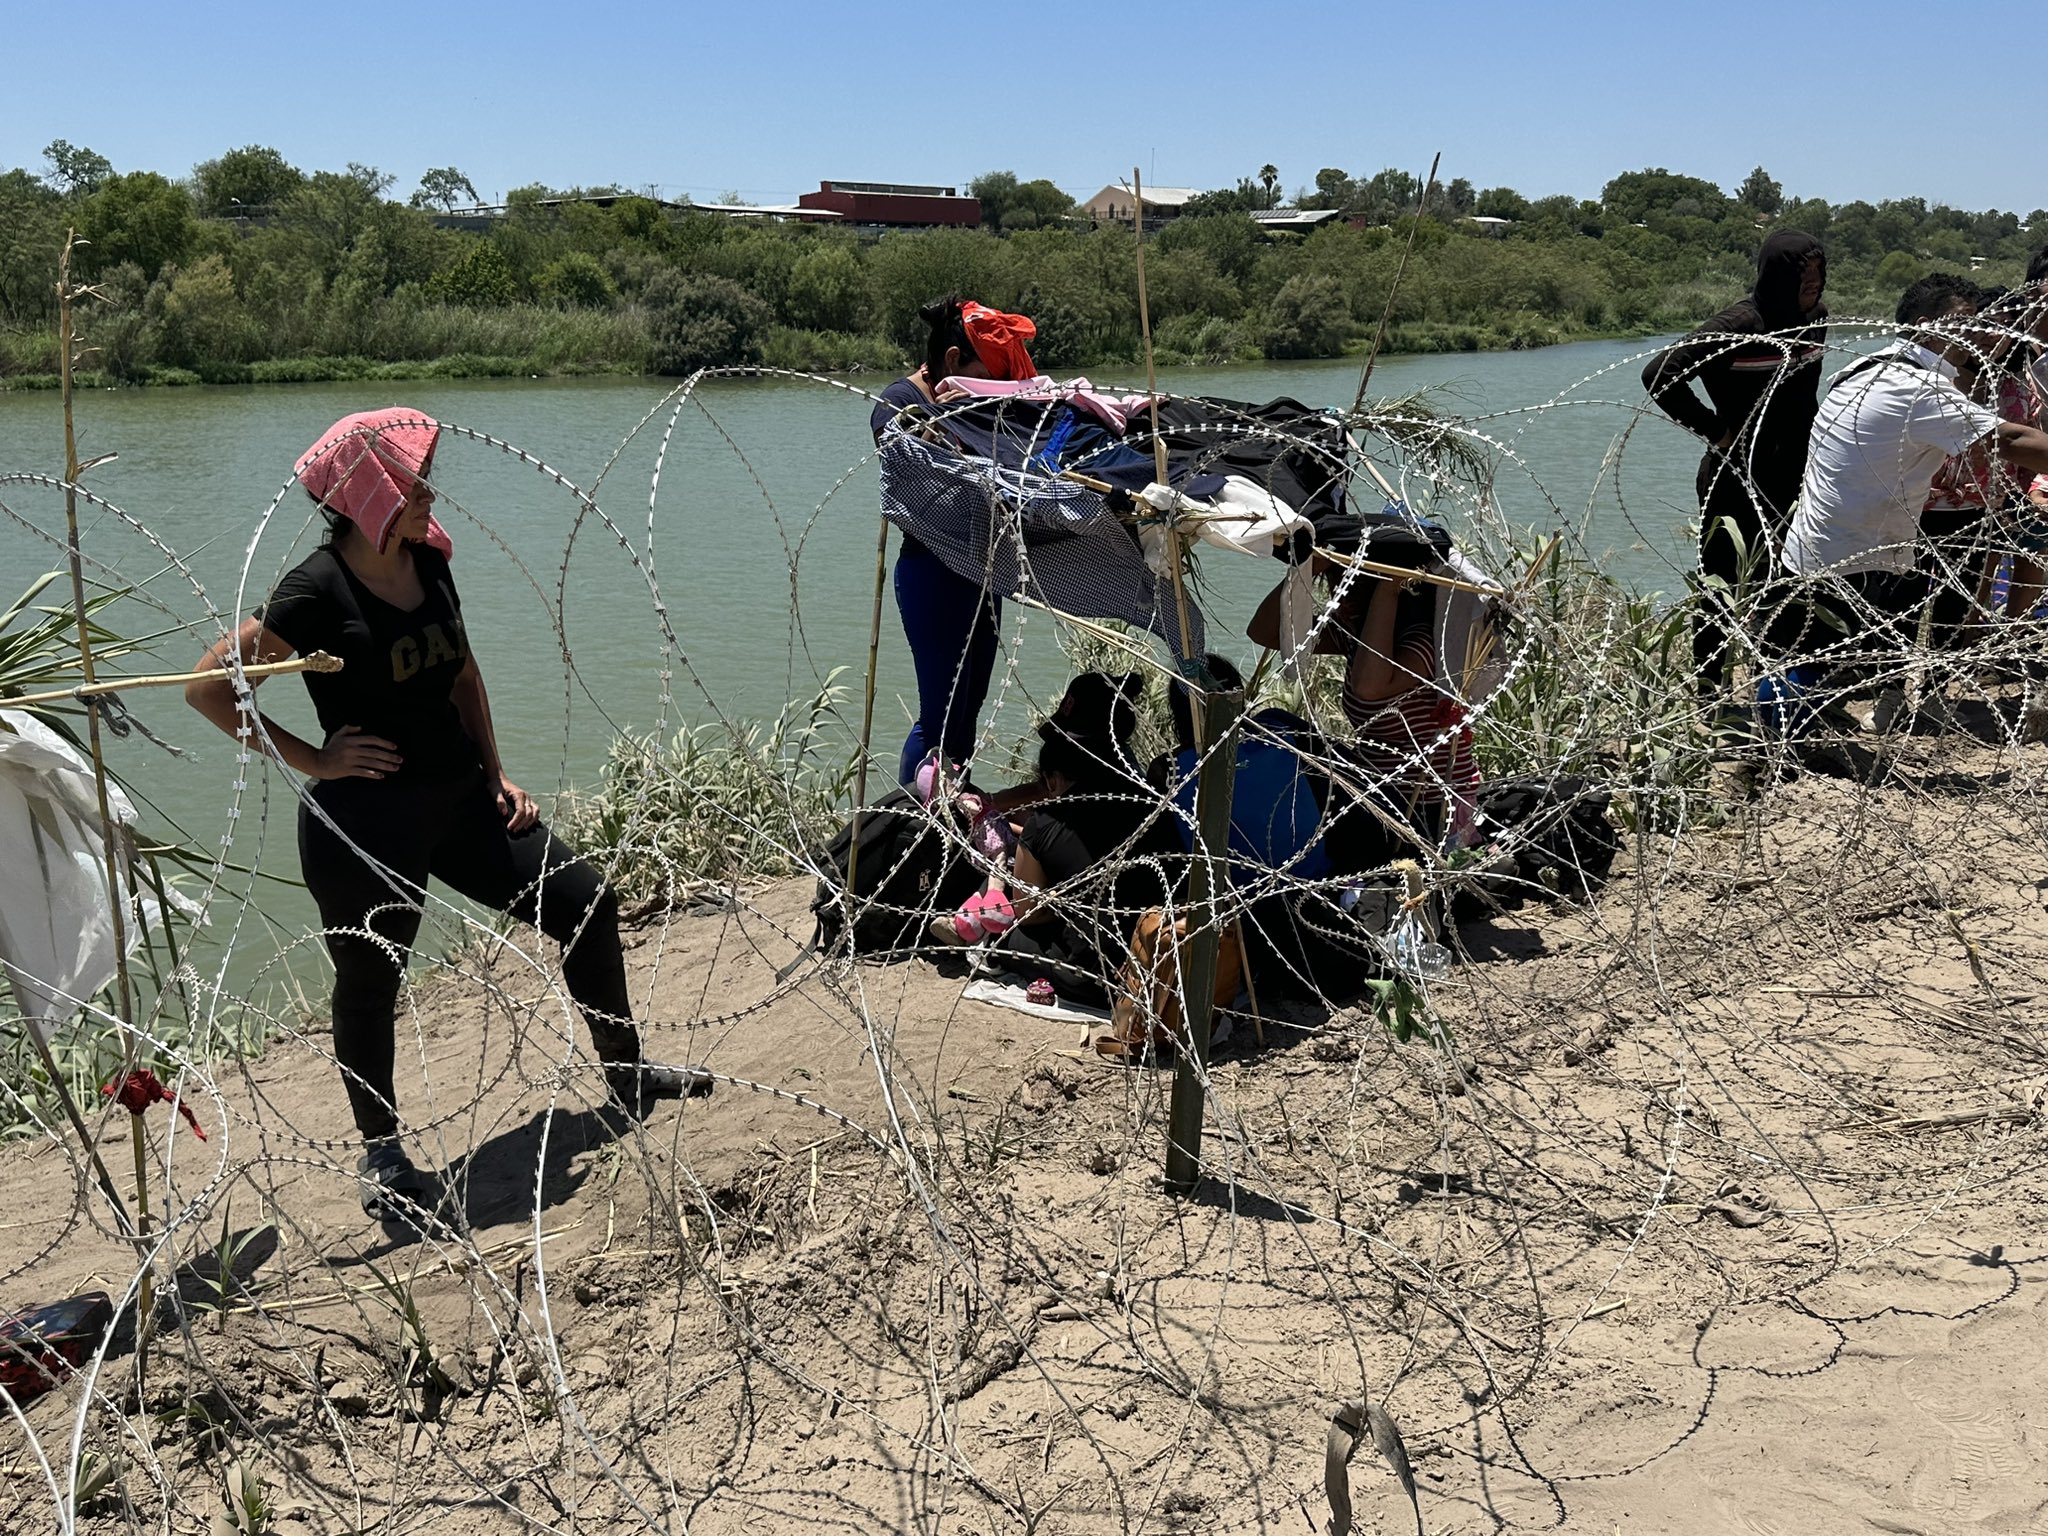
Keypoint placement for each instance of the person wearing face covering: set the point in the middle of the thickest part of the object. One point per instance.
(951, 623)
(1759, 361)
(407, 783)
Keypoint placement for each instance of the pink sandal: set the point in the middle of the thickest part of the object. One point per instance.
(984, 915)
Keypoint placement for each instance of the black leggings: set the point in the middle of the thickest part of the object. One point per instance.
(452, 830)
(1858, 628)
(1740, 529)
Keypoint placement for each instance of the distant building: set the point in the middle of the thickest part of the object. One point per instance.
(893, 206)
(484, 216)
(1489, 225)
(1115, 205)
(776, 212)
(1299, 220)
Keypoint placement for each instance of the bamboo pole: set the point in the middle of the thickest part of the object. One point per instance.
(124, 988)
(1216, 730)
(867, 714)
(1387, 314)
(1408, 573)
(1174, 553)
(317, 661)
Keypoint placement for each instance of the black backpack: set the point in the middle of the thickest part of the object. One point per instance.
(1557, 831)
(907, 872)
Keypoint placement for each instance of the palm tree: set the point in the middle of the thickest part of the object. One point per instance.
(1269, 178)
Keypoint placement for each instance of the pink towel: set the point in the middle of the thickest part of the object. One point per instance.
(1113, 411)
(364, 467)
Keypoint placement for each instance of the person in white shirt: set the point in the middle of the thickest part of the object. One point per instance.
(1883, 431)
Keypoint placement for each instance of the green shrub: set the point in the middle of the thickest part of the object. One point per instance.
(199, 318)
(1309, 317)
(828, 291)
(717, 802)
(577, 280)
(481, 276)
(700, 321)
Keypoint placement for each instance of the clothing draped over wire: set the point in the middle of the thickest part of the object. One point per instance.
(978, 481)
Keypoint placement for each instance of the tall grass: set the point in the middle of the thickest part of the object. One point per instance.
(1602, 687)
(716, 803)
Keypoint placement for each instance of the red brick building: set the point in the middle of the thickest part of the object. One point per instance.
(899, 207)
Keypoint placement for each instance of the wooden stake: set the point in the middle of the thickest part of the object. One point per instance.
(1216, 740)
(867, 713)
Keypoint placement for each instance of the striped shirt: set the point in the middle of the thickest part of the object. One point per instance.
(1416, 745)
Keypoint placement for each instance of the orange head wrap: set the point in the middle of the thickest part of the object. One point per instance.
(999, 340)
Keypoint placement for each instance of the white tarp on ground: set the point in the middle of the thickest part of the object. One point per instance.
(56, 932)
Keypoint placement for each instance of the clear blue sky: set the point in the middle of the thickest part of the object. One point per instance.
(766, 97)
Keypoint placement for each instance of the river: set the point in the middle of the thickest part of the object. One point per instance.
(762, 497)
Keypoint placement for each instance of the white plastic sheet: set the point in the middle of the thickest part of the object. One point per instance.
(56, 929)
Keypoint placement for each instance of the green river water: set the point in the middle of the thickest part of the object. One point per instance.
(760, 538)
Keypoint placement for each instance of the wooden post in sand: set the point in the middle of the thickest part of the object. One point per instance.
(1216, 741)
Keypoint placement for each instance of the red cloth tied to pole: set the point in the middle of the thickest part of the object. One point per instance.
(142, 1088)
(999, 340)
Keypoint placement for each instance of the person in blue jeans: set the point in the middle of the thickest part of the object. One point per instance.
(951, 623)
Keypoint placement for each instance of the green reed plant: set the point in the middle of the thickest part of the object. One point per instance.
(38, 654)
(718, 801)
(1602, 687)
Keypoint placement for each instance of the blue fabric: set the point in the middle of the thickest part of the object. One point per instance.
(1274, 818)
(951, 624)
(1787, 703)
(1048, 457)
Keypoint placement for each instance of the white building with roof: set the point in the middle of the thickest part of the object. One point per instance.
(1115, 204)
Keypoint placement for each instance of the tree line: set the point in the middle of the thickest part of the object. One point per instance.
(252, 269)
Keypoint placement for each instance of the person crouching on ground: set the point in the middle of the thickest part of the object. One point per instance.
(1275, 814)
(1092, 854)
(1410, 743)
(407, 781)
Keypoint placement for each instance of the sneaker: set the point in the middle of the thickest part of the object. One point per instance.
(638, 1088)
(394, 1189)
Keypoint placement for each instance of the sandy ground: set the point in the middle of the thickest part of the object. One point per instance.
(1721, 1215)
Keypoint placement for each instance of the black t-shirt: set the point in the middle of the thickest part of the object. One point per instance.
(1073, 834)
(903, 392)
(398, 666)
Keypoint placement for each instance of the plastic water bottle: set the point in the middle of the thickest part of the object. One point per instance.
(1415, 954)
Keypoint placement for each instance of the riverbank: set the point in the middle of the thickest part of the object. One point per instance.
(1720, 1211)
(802, 353)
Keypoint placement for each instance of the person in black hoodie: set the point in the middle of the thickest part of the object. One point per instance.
(1759, 361)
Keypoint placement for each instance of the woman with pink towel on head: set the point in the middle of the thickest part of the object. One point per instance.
(407, 783)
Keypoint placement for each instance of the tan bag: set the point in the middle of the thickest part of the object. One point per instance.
(1147, 1007)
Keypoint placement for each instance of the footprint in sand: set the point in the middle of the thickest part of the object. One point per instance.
(1984, 1468)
